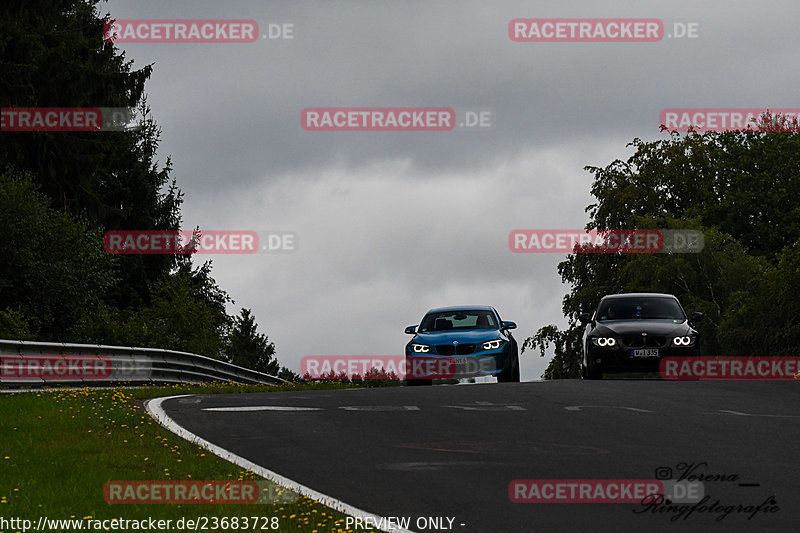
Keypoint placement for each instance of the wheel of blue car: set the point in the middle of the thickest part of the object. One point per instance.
(510, 374)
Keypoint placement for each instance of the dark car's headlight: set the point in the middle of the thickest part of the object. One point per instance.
(492, 345)
(686, 340)
(604, 341)
(420, 348)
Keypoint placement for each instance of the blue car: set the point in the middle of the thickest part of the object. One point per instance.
(460, 342)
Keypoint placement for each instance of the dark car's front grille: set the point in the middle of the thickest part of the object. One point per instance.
(455, 349)
(644, 342)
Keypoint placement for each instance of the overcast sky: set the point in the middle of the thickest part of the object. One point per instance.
(391, 224)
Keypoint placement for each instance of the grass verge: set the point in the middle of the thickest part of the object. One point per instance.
(58, 449)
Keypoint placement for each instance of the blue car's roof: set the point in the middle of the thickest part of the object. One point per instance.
(462, 308)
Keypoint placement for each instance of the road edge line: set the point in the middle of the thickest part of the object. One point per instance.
(154, 409)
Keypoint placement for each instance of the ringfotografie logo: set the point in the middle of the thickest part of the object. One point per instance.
(694, 473)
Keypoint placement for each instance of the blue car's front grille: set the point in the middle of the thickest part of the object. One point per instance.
(455, 349)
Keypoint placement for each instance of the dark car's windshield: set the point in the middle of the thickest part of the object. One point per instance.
(444, 320)
(640, 308)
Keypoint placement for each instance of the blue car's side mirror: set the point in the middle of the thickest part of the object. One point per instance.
(411, 330)
(507, 324)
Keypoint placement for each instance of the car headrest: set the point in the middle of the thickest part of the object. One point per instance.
(443, 323)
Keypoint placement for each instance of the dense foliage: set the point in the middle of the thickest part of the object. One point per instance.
(742, 190)
(60, 191)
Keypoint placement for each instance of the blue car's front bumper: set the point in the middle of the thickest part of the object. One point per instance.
(436, 366)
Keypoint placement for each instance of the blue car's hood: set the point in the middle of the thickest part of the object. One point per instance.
(462, 336)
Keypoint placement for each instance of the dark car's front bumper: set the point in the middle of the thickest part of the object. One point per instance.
(620, 358)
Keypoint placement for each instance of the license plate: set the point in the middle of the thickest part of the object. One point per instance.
(460, 360)
(649, 352)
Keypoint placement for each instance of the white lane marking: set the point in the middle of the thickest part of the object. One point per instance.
(155, 410)
(261, 408)
(380, 408)
(487, 406)
(739, 413)
(636, 409)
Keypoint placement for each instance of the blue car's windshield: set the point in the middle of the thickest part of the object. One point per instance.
(640, 308)
(445, 320)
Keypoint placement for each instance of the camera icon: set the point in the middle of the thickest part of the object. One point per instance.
(663, 472)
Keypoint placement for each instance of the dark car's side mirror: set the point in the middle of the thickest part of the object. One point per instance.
(584, 318)
(697, 316)
(411, 330)
(507, 324)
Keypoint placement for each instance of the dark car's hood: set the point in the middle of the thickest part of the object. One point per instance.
(462, 336)
(638, 326)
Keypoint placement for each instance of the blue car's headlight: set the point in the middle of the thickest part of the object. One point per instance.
(492, 345)
(420, 348)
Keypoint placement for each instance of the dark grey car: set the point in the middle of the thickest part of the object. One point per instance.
(632, 332)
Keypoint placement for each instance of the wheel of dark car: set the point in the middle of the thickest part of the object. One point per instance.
(594, 370)
(418, 382)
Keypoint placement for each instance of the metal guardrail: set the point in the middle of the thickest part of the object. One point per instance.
(27, 363)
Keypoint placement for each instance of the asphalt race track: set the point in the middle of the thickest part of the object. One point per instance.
(452, 451)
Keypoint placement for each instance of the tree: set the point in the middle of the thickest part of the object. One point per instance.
(764, 316)
(288, 374)
(187, 313)
(248, 348)
(53, 272)
(60, 191)
(53, 55)
(742, 190)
